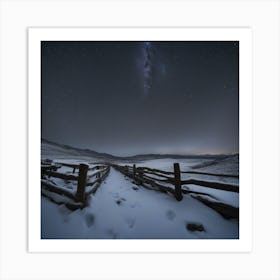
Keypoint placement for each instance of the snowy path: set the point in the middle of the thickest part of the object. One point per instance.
(120, 209)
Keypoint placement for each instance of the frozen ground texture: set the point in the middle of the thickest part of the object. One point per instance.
(120, 209)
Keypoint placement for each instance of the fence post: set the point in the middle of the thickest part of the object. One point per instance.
(97, 168)
(98, 175)
(134, 171)
(177, 180)
(82, 180)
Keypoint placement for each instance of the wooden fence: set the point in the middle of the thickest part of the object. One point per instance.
(155, 179)
(161, 180)
(86, 184)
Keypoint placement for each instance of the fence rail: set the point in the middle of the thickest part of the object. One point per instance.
(86, 184)
(211, 174)
(149, 174)
(64, 176)
(155, 179)
(161, 180)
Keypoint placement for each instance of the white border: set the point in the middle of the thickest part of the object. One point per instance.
(243, 35)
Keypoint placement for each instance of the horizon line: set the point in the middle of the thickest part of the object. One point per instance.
(144, 154)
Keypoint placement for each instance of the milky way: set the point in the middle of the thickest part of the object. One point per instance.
(148, 53)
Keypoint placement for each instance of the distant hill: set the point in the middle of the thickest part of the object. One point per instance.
(226, 165)
(50, 149)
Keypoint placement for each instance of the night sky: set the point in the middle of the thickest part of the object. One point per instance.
(127, 98)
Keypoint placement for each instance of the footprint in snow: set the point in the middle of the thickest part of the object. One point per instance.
(112, 234)
(115, 195)
(170, 215)
(89, 218)
(120, 201)
(130, 222)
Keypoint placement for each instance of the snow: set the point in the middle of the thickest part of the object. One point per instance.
(167, 164)
(228, 165)
(60, 154)
(230, 198)
(120, 209)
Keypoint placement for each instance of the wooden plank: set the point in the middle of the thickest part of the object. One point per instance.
(210, 174)
(154, 186)
(158, 174)
(142, 179)
(69, 165)
(98, 183)
(51, 187)
(95, 174)
(195, 192)
(155, 179)
(49, 168)
(60, 175)
(212, 185)
(70, 205)
(227, 211)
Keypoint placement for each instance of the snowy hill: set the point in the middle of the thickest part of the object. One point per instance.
(53, 150)
(228, 165)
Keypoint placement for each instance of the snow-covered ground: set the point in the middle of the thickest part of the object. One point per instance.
(120, 209)
(227, 165)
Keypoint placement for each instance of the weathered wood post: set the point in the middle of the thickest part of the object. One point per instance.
(134, 171)
(140, 176)
(177, 182)
(82, 180)
(97, 174)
